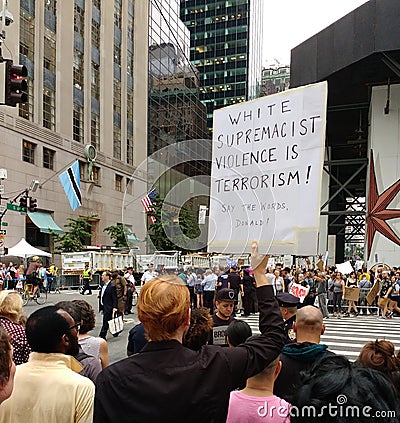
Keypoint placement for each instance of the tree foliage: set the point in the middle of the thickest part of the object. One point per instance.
(172, 232)
(117, 235)
(78, 235)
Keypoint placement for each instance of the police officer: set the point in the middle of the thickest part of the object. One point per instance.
(288, 305)
(87, 278)
(223, 317)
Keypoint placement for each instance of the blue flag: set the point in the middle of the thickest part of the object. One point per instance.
(71, 182)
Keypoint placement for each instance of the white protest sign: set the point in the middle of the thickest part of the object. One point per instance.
(267, 171)
(298, 291)
(345, 268)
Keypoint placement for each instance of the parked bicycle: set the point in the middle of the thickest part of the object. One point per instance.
(39, 298)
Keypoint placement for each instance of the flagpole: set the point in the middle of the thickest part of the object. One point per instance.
(58, 173)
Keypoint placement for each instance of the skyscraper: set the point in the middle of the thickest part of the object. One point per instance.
(225, 47)
(178, 147)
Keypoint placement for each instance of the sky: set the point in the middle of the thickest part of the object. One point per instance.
(297, 21)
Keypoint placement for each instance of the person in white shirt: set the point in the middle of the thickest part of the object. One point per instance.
(48, 387)
(149, 274)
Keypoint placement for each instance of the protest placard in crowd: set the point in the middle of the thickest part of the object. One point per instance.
(267, 172)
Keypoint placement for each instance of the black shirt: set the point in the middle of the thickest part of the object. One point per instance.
(234, 280)
(219, 329)
(167, 382)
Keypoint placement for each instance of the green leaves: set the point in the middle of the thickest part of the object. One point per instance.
(77, 235)
(173, 231)
(117, 234)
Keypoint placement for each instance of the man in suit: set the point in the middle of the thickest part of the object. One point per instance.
(108, 302)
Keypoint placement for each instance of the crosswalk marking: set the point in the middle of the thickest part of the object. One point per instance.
(346, 336)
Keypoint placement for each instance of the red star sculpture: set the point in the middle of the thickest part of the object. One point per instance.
(377, 213)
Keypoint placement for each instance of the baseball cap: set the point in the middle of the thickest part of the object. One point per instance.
(226, 294)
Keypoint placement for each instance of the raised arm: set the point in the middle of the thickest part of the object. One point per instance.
(253, 356)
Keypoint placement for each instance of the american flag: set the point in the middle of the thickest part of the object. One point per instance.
(147, 203)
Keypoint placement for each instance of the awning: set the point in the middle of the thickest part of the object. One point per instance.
(45, 222)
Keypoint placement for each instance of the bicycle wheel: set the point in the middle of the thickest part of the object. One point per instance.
(25, 297)
(135, 298)
(42, 298)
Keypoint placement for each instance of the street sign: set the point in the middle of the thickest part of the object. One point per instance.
(4, 223)
(2, 236)
(13, 207)
(3, 232)
(1, 243)
(2, 209)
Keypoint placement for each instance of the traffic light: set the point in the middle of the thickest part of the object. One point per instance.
(23, 203)
(32, 204)
(15, 85)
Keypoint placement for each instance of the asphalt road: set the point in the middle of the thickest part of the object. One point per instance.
(117, 345)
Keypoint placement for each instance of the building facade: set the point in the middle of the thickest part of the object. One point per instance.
(275, 80)
(225, 47)
(87, 77)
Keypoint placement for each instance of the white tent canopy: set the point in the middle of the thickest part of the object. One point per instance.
(24, 249)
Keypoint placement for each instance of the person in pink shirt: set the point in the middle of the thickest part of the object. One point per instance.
(256, 402)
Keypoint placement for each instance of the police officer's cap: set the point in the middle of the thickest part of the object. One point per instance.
(287, 300)
(226, 294)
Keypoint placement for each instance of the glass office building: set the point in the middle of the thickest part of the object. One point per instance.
(178, 141)
(225, 47)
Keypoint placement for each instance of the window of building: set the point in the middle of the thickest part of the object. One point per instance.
(129, 63)
(77, 123)
(79, 20)
(118, 14)
(129, 186)
(96, 34)
(28, 151)
(129, 105)
(117, 95)
(131, 27)
(118, 183)
(27, 35)
(97, 3)
(95, 130)
(78, 69)
(49, 54)
(95, 81)
(82, 171)
(117, 54)
(50, 14)
(117, 142)
(48, 158)
(96, 175)
(26, 109)
(129, 148)
(49, 108)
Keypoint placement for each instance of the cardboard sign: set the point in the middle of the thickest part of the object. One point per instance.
(267, 158)
(351, 293)
(370, 297)
(299, 291)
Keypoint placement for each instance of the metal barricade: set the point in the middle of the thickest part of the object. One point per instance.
(74, 282)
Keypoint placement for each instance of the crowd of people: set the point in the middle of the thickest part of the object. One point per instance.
(192, 359)
(13, 276)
